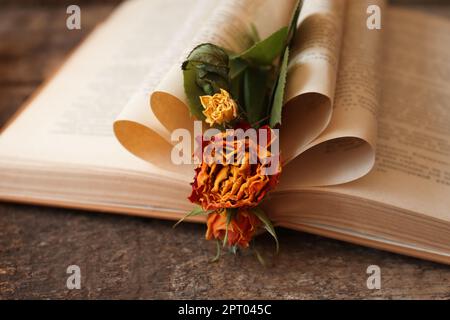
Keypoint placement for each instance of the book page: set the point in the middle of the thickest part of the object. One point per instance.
(412, 169)
(312, 74)
(345, 151)
(69, 121)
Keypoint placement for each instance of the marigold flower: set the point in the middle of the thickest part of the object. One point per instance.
(219, 108)
(241, 228)
(233, 184)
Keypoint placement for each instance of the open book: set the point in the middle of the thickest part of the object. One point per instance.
(365, 133)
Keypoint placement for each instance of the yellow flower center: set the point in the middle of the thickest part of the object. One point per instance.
(219, 108)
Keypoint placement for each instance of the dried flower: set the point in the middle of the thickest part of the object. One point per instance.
(219, 108)
(241, 228)
(233, 184)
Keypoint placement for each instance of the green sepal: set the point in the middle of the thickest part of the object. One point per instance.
(230, 215)
(197, 211)
(218, 252)
(234, 249)
(260, 258)
(267, 225)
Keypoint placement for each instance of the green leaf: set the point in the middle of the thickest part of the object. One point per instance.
(209, 55)
(293, 24)
(254, 33)
(205, 71)
(255, 94)
(218, 251)
(236, 90)
(265, 51)
(212, 83)
(230, 214)
(195, 212)
(193, 92)
(237, 66)
(277, 92)
(277, 104)
(260, 258)
(267, 224)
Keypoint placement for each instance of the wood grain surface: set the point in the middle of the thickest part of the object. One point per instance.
(134, 258)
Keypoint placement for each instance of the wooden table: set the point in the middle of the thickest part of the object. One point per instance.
(126, 257)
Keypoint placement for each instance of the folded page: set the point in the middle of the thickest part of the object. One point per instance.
(312, 74)
(345, 151)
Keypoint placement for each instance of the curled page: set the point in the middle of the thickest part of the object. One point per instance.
(312, 72)
(345, 151)
(136, 127)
